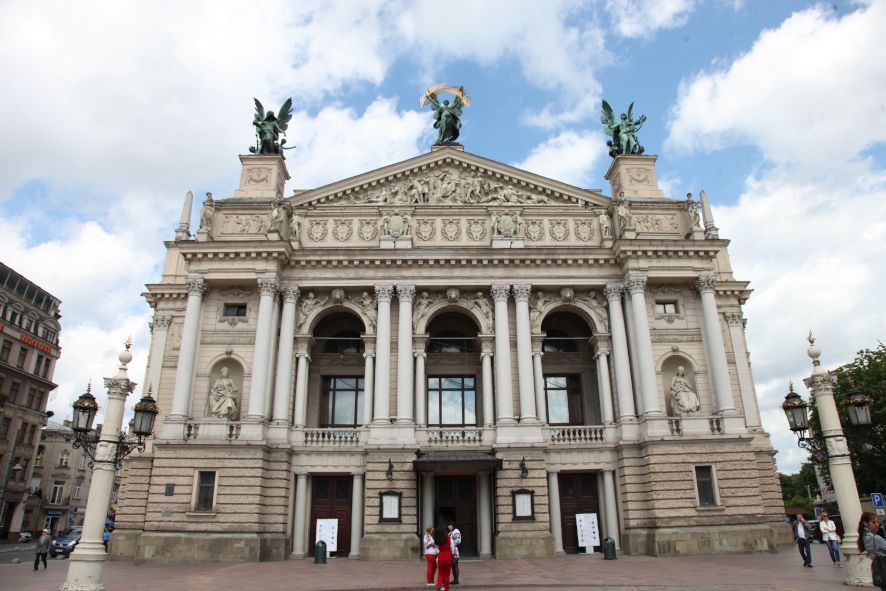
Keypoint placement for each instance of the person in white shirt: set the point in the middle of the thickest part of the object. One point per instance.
(430, 550)
(455, 535)
(829, 536)
(802, 535)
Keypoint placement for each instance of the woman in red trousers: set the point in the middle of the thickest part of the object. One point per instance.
(430, 550)
(444, 558)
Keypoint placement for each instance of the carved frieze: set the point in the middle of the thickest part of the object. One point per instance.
(244, 224)
(559, 230)
(343, 230)
(368, 230)
(656, 223)
(584, 230)
(676, 335)
(425, 229)
(535, 230)
(317, 230)
(259, 175)
(227, 337)
(476, 229)
(451, 229)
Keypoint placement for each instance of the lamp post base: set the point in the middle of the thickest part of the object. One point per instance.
(86, 568)
(858, 568)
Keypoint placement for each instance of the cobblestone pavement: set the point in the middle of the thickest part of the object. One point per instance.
(782, 571)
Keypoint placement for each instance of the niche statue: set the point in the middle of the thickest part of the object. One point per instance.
(683, 399)
(223, 397)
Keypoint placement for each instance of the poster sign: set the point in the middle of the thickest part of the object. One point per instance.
(588, 532)
(327, 530)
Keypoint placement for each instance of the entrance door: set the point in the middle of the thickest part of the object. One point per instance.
(578, 494)
(457, 502)
(331, 499)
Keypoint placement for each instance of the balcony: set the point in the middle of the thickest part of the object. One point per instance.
(442, 437)
(579, 434)
(334, 437)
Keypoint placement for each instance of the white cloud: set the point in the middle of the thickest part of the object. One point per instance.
(635, 18)
(570, 157)
(809, 92)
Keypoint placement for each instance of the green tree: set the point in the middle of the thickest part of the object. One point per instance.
(867, 443)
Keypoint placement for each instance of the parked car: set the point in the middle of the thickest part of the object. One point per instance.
(24, 537)
(814, 530)
(65, 543)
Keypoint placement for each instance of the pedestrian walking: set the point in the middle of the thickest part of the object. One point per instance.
(875, 547)
(444, 558)
(42, 549)
(455, 534)
(829, 536)
(430, 549)
(802, 534)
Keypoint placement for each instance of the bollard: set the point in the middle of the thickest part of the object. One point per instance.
(320, 552)
(609, 549)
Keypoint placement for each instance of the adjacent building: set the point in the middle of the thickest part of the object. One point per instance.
(449, 338)
(29, 349)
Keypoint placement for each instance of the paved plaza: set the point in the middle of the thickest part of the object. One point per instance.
(742, 572)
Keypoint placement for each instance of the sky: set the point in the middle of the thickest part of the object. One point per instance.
(111, 112)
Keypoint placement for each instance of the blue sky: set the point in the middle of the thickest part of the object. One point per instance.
(111, 112)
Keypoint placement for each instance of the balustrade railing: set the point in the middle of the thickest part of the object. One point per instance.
(332, 437)
(456, 436)
(577, 434)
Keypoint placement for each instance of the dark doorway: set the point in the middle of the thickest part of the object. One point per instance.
(457, 501)
(331, 499)
(578, 494)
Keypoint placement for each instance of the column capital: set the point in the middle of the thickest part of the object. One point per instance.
(303, 345)
(195, 286)
(538, 340)
(487, 344)
(268, 285)
(290, 293)
(500, 292)
(383, 293)
(734, 318)
(522, 292)
(635, 283)
(602, 344)
(368, 344)
(161, 321)
(706, 282)
(406, 292)
(613, 291)
(420, 343)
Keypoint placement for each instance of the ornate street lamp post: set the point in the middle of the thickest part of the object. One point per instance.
(832, 442)
(87, 562)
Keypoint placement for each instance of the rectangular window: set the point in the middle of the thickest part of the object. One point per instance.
(31, 431)
(342, 402)
(82, 464)
(45, 371)
(77, 487)
(452, 401)
(58, 489)
(39, 365)
(13, 392)
(4, 427)
(704, 481)
(12, 316)
(64, 458)
(21, 473)
(28, 324)
(235, 310)
(29, 399)
(205, 500)
(22, 357)
(5, 350)
(563, 394)
(665, 308)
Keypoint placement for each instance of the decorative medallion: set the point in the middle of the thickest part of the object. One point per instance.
(452, 295)
(535, 230)
(425, 229)
(338, 296)
(343, 230)
(258, 176)
(451, 229)
(368, 230)
(317, 231)
(639, 175)
(476, 230)
(559, 230)
(584, 230)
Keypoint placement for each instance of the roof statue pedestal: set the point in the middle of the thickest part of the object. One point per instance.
(634, 176)
(263, 176)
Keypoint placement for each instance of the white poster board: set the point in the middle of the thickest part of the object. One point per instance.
(588, 532)
(327, 530)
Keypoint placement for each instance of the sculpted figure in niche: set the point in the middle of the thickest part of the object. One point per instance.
(223, 397)
(605, 225)
(278, 216)
(295, 227)
(308, 304)
(538, 308)
(625, 217)
(692, 209)
(420, 308)
(482, 304)
(683, 399)
(206, 213)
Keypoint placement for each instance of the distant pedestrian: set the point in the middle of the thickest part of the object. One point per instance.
(874, 545)
(444, 558)
(829, 536)
(802, 534)
(42, 549)
(106, 537)
(430, 550)
(455, 534)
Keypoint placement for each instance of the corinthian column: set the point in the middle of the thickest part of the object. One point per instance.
(405, 377)
(382, 392)
(268, 287)
(626, 410)
(601, 354)
(503, 392)
(419, 345)
(538, 371)
(159, 332)
(184, 373)
(706, 283)
(743, 369)
(302, 354)
(636, 285)
(526, 382)
(368, 376)
(486, 347)
(283, 391)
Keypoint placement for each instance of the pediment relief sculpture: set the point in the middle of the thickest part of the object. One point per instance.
(507, 224)
(396, 224)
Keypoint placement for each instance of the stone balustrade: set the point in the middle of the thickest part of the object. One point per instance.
(455, 436)
(577, 434)
(333, 437)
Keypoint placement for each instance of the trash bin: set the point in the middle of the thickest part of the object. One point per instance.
(609, 549)
(320, 552)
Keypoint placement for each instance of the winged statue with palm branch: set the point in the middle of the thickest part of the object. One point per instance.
(269, 126)
(623, 131)
(447, 117)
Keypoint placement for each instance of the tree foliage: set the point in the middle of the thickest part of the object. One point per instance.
(867, 444)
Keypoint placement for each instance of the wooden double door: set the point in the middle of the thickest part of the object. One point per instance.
(456, 500)
(331, 499)
(578, 494)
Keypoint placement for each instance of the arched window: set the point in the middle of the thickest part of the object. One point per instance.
(559, 341)
(346, 341)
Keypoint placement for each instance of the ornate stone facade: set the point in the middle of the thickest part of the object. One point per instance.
(452, 335)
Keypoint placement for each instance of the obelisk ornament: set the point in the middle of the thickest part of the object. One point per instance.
(447, 117)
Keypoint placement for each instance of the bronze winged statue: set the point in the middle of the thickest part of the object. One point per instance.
(269, 127)
(623, 131)
(447, 117)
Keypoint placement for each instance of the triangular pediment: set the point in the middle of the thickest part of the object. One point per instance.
(449, 177)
